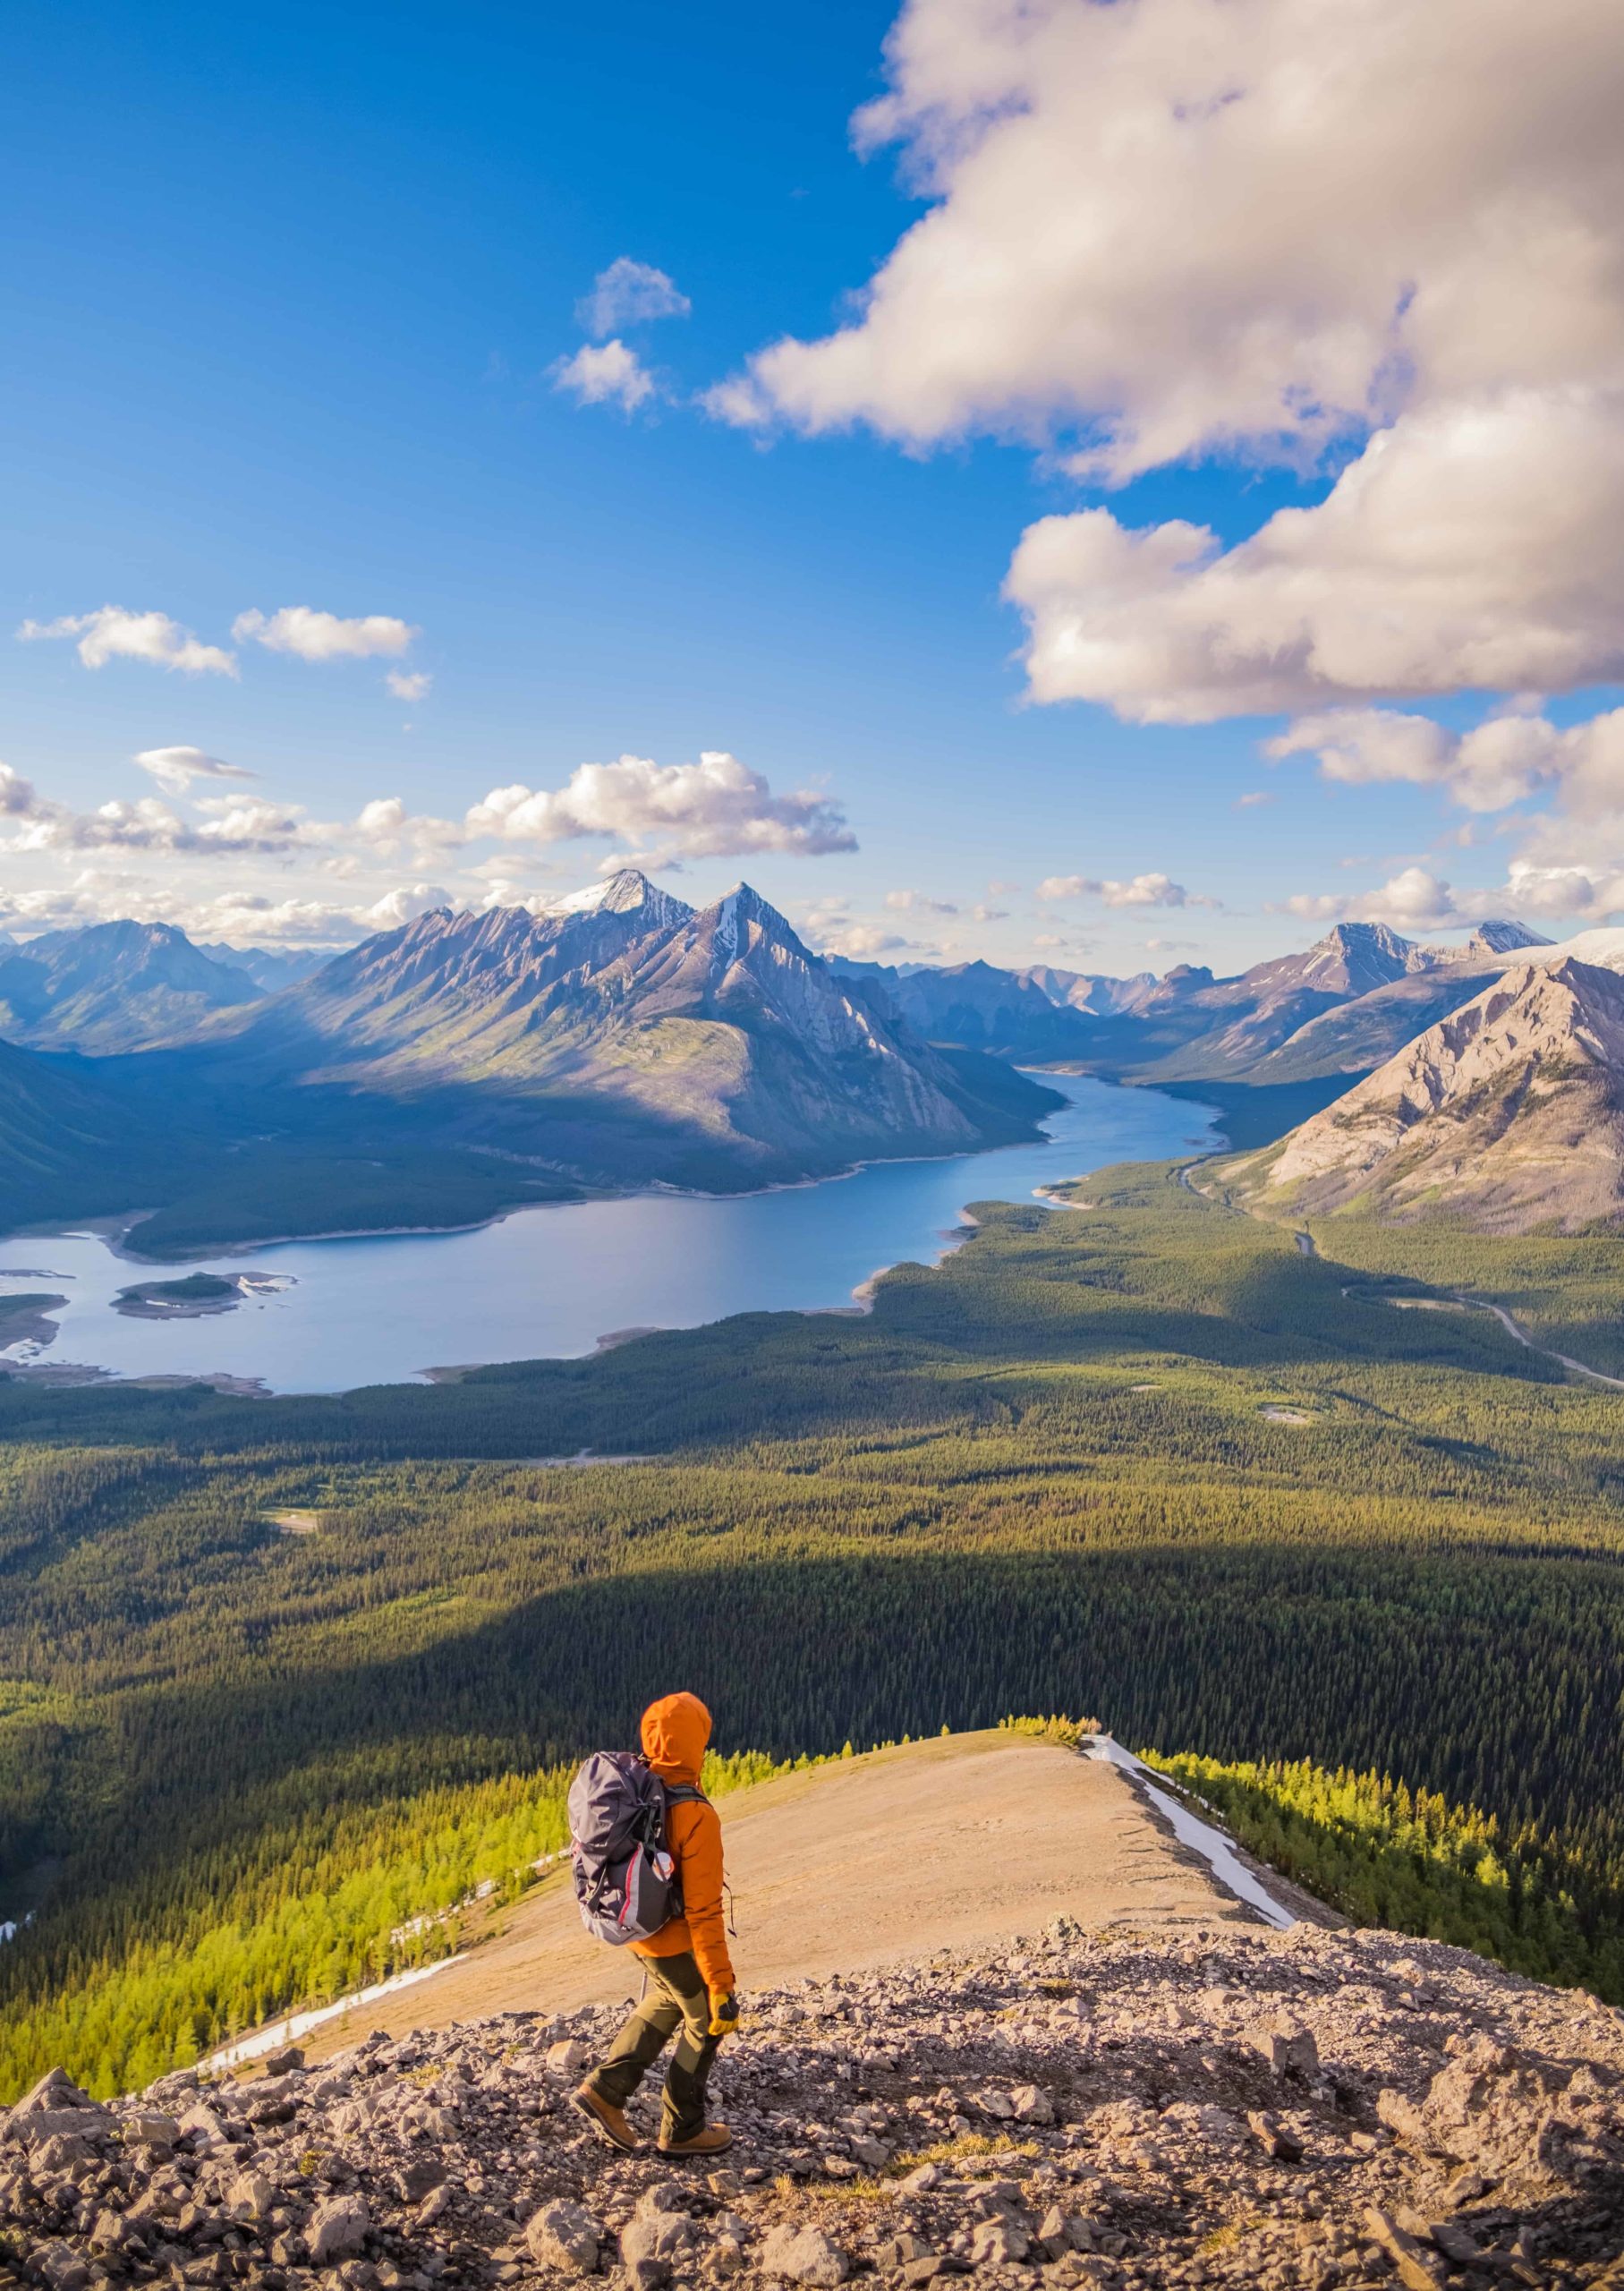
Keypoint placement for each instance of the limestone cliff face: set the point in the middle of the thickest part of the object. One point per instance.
(1508, 1114)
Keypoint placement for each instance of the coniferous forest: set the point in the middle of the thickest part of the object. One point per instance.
(282, 1682)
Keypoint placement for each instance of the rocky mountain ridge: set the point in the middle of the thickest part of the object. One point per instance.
(1509, 1113)
(1133, 2109)
(1340, 1006)
(112, 987)
(643, 1032)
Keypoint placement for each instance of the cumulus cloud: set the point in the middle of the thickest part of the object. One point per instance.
(112, 634)
(409, 683)
(1510, 755)
(1413, 900)
(1182, 228)
(1163, 229)
(918, 903)
(605, 373)
(710, 809)
(405, 904)
(175, 769)
(1153, 890)
(1469, 544)
(630, 293)
(311, 636)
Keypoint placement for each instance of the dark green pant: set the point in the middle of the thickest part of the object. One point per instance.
(677, 2000)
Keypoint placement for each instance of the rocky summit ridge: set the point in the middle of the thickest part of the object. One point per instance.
(1143, 2107)
(1508, 1114)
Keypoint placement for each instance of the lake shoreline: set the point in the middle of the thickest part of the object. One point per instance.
(550, 1286)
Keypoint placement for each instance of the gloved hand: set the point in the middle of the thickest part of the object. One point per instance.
(724, 2015)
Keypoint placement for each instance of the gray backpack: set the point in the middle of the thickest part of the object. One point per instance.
(626, 1883)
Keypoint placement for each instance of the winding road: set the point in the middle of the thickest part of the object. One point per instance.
(1453, 1302)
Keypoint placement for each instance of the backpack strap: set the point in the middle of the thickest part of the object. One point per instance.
(684, 1793)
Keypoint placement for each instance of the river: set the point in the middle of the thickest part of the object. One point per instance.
(552, 1281)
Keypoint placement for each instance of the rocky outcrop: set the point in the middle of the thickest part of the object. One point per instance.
(1508, 1114)
(1193, 2107)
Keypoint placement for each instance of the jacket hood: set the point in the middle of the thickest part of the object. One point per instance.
(675, 1731)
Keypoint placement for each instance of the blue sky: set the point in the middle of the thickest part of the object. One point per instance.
(285, 310)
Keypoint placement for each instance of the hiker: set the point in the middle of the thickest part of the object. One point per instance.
(688, 1974)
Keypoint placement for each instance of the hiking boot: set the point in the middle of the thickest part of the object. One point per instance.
(710, 2139)
(606, 2119)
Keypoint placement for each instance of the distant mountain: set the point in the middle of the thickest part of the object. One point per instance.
(621, 1037)
(1508, 1113)
(1090, 991)
(112, 987)
(68, 1147)
(270, 968)
(976, 1006)
(1502, 937)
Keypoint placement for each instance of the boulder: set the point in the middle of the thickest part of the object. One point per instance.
(565, 2236)
(998, 2243)
(151, 2128)
(338, 2229)
(803, 2255)
(249, 2196)
(1287, 2046)
(56, 2104)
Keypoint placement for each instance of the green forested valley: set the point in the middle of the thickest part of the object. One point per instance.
(278, 1677)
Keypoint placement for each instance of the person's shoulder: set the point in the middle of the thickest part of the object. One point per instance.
(689, 1817)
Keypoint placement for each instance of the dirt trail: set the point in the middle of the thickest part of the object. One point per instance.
(950, 1843)
(1453, 1301)
(1456, 1302)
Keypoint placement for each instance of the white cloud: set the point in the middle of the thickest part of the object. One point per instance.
(1477, 544)
(311, 636)
(630, 293)
(603, 374)
(1414, 899)
(405, 904)
(409, 683)
(175, 769)
(918, 903)
(1153, 890)
(710, 809)
(737, 402)
(1165, 227)
(1180, 228)
(1510, 756)
(112, 634)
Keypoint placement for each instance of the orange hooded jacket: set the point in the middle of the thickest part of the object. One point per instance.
(675, 1733)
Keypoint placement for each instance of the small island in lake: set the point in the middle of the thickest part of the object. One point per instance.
(188, 1299)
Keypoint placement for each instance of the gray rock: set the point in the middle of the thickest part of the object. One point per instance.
(565, 2236)
(151, 2128)
(1287, 2046)
(249, 2196)
(338, 2229)
(994, 2242)
(803, 2255)
(61, 2266)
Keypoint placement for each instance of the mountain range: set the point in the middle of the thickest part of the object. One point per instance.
(1507, 1114)
(466, 1062)
(469, 1062)
(1339, 1008)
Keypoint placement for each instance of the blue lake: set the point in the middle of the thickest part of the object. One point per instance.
(553, 1281)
